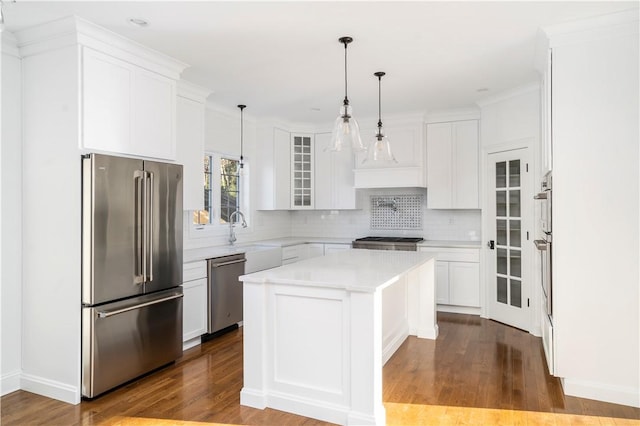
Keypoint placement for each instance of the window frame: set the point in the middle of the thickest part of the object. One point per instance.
(215, 224)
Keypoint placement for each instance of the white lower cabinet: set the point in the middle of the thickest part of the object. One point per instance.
(314, 250)
(457, 276)
(194, 303)
(330, 248)
(295, 253)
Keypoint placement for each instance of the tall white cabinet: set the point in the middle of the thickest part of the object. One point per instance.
(190, 142)
(594, 108)
(62, 65)
(452, 165)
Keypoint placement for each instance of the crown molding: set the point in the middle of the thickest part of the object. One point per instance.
(73, 30)
(594, 28)
(458, 114)
(10, 44)
(512, 93)
(192, 91)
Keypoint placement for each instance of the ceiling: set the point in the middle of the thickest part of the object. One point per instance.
(283, 59)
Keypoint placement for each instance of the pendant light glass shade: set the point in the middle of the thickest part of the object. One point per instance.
(346, 132)
(380, 150)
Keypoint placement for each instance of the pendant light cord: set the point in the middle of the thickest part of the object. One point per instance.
(346, 98)
(242, 107)
(379, 74)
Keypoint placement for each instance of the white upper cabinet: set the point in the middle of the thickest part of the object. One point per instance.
(190, 142)
(296, 173)
(452, 165)
(302, 170)
(406, 137)
(273, 170)
(334, 189)
(126, 109)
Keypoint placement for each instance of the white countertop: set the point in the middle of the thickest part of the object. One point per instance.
(354, 270)
(292, 241)
(450, 244)
(194, 255)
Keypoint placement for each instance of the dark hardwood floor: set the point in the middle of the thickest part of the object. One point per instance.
(476, 372)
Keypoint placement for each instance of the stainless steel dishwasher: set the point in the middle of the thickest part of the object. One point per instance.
(224, 306)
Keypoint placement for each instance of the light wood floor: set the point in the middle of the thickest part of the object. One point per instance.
(478, 372)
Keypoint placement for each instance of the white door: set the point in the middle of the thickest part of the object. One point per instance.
(509, 212)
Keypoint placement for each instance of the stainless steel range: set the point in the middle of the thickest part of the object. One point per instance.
(387, 243)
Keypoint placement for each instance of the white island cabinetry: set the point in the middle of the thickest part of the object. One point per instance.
(317, 332)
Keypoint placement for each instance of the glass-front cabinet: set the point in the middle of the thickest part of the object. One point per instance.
(302, 171)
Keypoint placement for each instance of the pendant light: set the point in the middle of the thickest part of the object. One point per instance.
(346, 131)
(380, 149)
(241, 169)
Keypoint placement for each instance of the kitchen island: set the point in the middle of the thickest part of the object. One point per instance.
(317, 332)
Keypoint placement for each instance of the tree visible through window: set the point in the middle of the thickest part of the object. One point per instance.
(225, 188)
(229, 188)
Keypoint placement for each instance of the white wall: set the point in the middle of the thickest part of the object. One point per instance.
(52, 218)
(437, 224)
(512, 119)
(11, 223)
(222, 134)
(596, 209)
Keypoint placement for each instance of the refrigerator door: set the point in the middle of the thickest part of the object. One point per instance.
(111, 228)
(125, 339)
(164, 221)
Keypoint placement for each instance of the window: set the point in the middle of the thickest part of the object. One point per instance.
(222, 190)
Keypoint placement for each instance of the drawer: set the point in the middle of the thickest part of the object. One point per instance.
(454, 254)
(194, 270)
(291, 252)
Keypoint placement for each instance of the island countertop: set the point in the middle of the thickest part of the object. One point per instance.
(353, 270)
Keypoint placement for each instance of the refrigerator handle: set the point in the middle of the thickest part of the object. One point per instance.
(138, 179)
(150, 208)
(107, 314)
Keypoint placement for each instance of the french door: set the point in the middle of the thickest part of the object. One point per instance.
(509, 257)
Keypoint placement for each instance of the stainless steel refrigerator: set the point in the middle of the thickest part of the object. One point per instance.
(131, 269)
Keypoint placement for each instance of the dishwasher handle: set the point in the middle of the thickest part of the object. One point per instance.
(231, 262)
(107, 314)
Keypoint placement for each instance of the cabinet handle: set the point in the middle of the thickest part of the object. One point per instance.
(540, 244)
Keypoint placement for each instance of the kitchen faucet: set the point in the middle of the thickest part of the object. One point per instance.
(232, 234)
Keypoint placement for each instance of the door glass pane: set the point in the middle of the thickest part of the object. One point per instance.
(501, 232)
(501, 174)
(515, 263)
(514, 233)
(501, 203)
(516, 293)
(502, 261)
(514, 203)
(514, 173)
(502, 290)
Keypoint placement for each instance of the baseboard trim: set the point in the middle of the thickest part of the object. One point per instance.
(602, 392)
(50, 388)
(9, 382)
(458, 309)
(191, 343)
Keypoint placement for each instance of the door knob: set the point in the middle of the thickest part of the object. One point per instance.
(491, 244)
